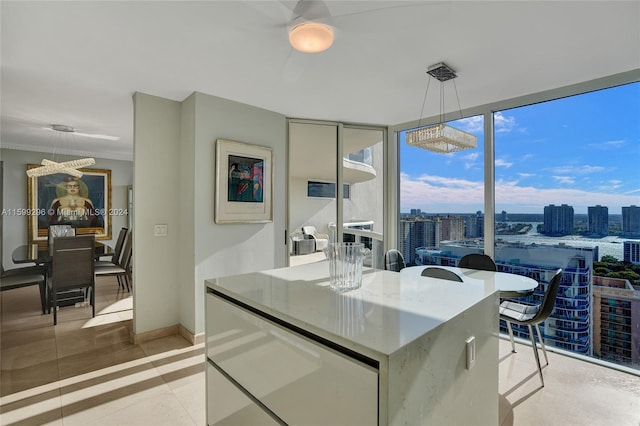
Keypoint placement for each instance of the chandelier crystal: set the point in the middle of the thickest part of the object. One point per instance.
(441, 138)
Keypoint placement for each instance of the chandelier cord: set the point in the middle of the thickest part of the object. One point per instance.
(424, 101)
(457, 97)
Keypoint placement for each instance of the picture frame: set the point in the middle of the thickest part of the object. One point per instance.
(243, 189)
(84, 203)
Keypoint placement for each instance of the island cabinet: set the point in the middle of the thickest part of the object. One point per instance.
(282, 348)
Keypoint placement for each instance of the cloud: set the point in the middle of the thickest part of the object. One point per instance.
(607, 145)
(609, 185)
(503, 163)
(526, 175)
(502, 123)
(564, 180)
(473, 124)
(471, 157)
(582, 170)
(440, 194)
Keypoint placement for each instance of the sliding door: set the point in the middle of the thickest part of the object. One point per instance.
(328, 196)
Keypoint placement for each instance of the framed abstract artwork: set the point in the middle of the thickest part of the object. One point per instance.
(82, 202)
(243, 183)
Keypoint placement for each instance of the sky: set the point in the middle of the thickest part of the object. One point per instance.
(582, 151)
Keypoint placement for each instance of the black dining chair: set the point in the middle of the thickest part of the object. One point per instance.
(121, 270)
(532, 315)
(444, 274)
(24, 277)
(479, 261)
(114, 258)
(393, 260)
(72, 271)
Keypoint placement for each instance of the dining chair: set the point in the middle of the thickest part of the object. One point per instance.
(121, 270)
(114, 258)
(24, 277)
(479, 261)
(72, 270)
(444, 274)
(532, 315)
(55, 231)
(393, 260)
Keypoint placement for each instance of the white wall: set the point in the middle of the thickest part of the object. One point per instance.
(156, 195)
(15, 232)
(229, 249)
(174, 177)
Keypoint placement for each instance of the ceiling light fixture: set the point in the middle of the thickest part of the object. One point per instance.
(311, 37)
(49, 167)
(441, 137)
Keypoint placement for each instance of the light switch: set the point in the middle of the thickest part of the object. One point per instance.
(160, 230)
(471, 352)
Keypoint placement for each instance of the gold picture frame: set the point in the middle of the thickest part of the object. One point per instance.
(84, 203)
(244, 175)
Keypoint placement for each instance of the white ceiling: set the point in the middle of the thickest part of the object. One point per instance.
(79, 62)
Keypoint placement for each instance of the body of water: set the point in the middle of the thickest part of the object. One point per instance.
(608, 246)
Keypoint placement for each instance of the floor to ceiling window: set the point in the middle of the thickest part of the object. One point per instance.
(567, 195)
(566, 177)
(441, 194)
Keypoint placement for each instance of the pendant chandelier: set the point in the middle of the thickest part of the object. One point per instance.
(49, 167)
(441, 138)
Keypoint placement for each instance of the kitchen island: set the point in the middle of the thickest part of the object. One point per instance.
(282, 348)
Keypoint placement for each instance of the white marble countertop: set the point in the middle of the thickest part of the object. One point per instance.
(388, 312)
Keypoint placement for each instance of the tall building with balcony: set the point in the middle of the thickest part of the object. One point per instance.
(569, 326)
(418, 233)
(558, 220)
(631, 252)
(474, 227)
(616, 321)
(598, 217)
(631, 221)
(452, 228)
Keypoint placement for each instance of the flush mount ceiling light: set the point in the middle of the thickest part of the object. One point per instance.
(49, 167)
(68, 129)
(311, 37)
(441, 137)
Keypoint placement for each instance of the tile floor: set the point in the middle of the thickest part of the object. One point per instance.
(84, 371)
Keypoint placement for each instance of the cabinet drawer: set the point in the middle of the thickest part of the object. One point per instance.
(226, 405)
(302, 381)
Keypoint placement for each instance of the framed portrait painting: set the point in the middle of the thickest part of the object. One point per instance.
(243, 183)
(82, 202)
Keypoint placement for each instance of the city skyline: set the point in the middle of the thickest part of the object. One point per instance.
(581, 151)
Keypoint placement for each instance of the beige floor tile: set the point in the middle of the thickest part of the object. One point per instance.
(18, 357)
(17, 380)
(96, 400)
(99, 358)
(158, 409)
(192, 396)
(33, 409)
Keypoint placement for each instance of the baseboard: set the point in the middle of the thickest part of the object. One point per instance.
(194, 339)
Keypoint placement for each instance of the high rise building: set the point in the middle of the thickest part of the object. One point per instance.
(503, 216)
(598, 220)
(616, 320)
(474, 227)
(452, 228)
(632, 252)
(558, 220)
(418, 233)
(631, 221)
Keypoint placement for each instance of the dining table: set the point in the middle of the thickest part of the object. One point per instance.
(39, 254)
(510, 285)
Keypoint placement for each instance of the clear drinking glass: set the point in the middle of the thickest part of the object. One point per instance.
(345, 265)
